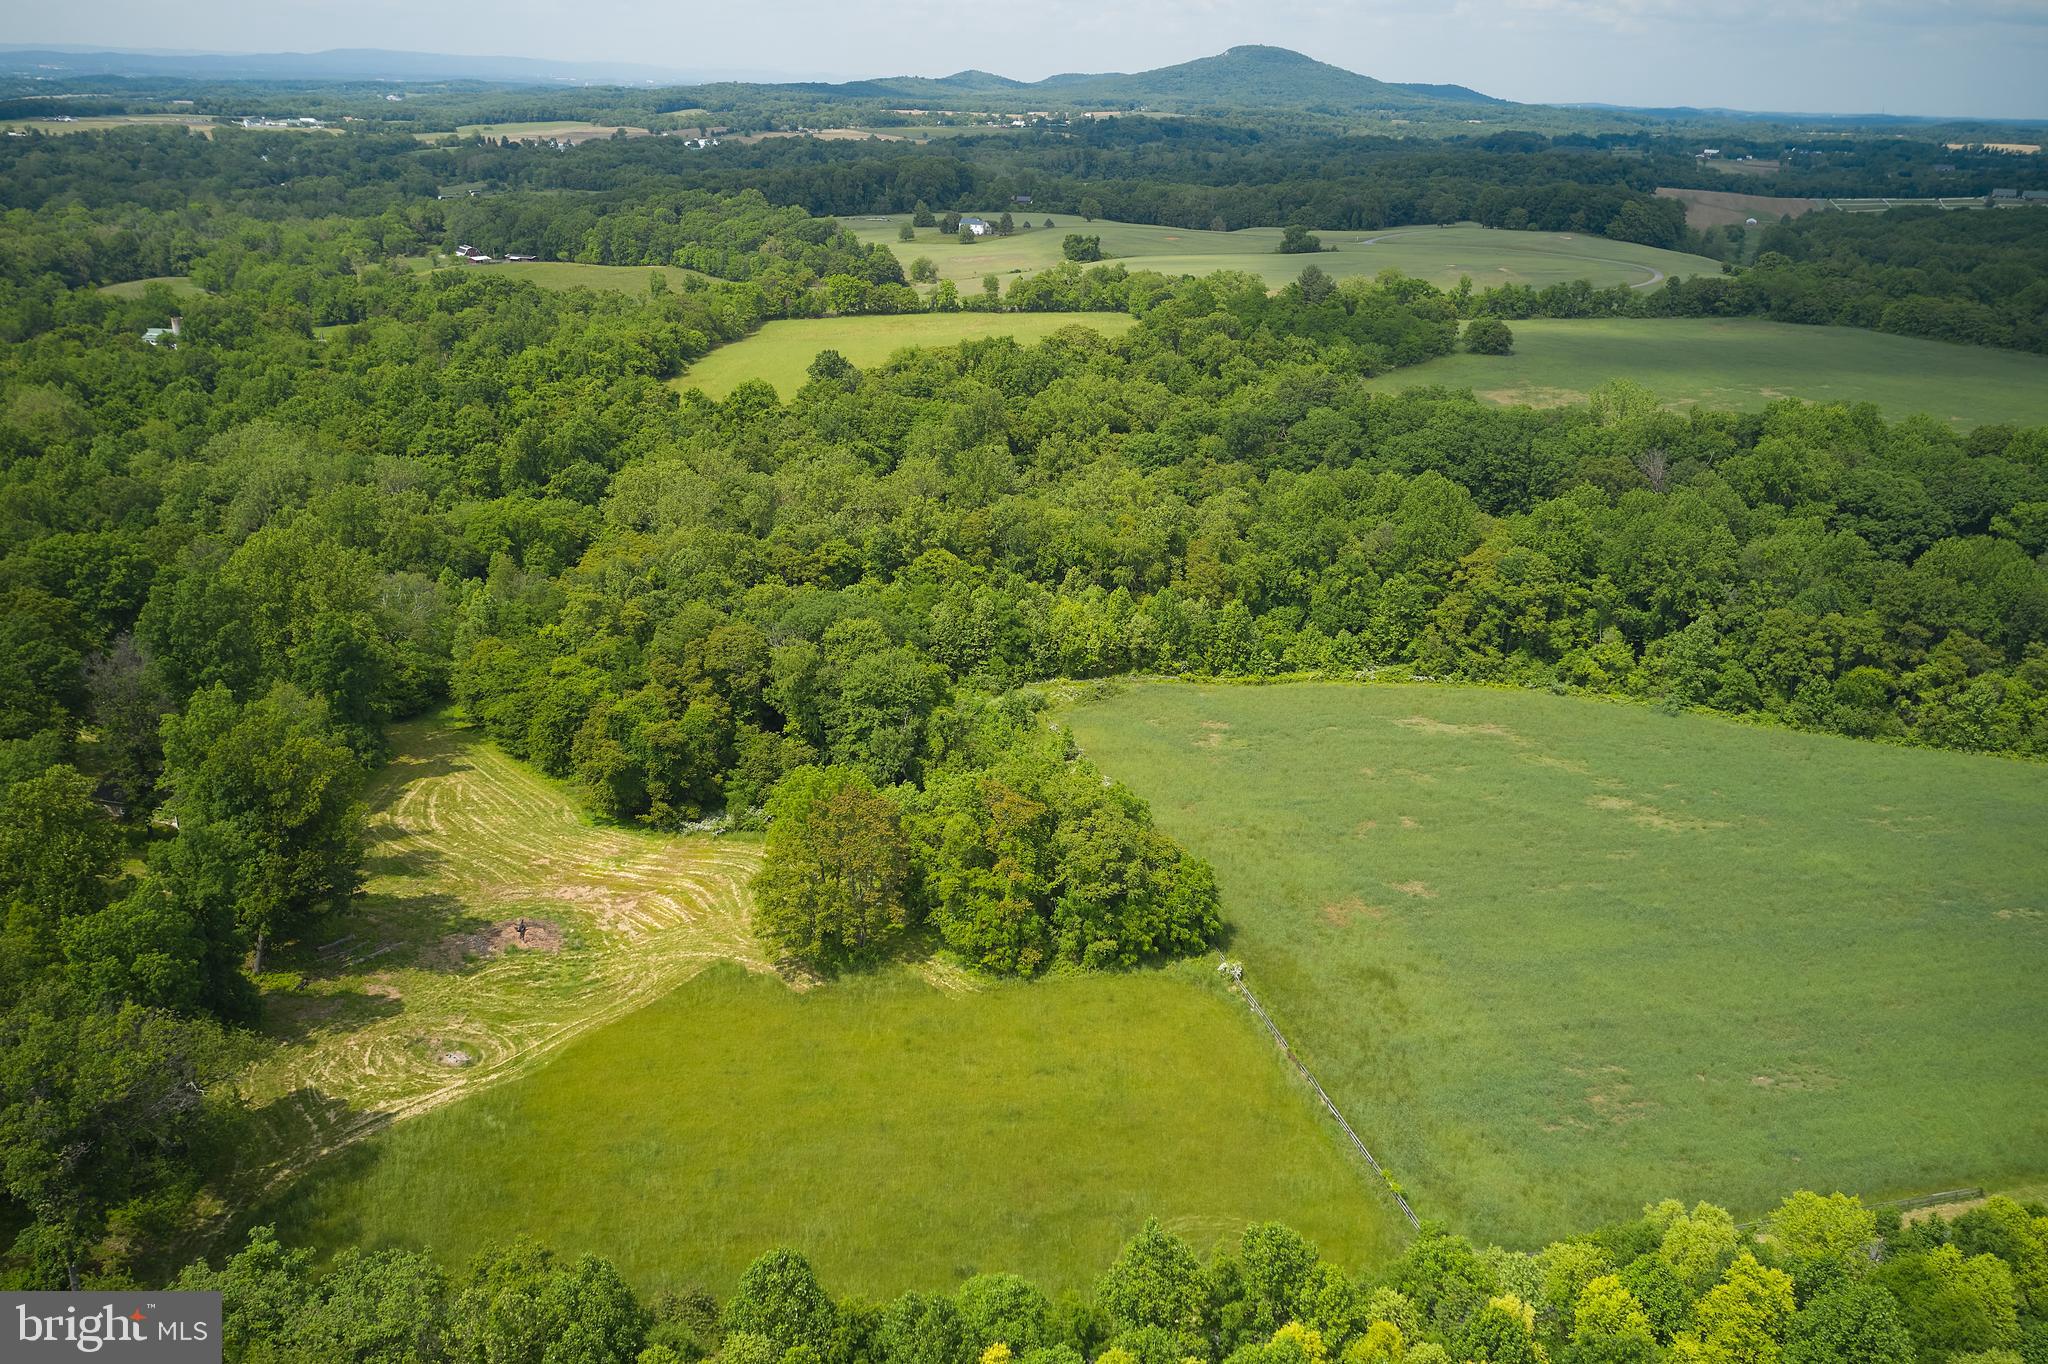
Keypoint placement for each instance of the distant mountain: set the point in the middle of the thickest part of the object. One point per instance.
(1242, 78)
(341, 64)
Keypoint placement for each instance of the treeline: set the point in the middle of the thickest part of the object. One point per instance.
(1173, 172)
(1973, 278)
(1823, 1280)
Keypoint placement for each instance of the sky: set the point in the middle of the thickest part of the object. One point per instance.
(1941, 57)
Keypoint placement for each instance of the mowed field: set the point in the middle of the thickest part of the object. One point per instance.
(1744, 363)
(1557, 957)
(558, 274)
(429, 989)
(1438, 254)
(135, 288)
(544, 131)
(900, 1133)
(781, 352)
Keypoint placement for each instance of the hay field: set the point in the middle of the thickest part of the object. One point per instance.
(1744, 363)
(551, 130)
(902, 1135)
(1557, 956)
(181, 285)
(781, 352)
(1440, 255)
(426, 989)
(561, 274)
(1721, 208)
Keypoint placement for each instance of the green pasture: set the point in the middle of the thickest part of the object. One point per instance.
(1743, 363)
(542, 130)
(562, 274)
(900, 1133)
(1557, 957)
(781, 352)
(181, 285)
(1438, 254)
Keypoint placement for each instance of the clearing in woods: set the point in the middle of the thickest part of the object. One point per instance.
(781, 352)
(1744, 363)
(904, 1136)
(904, 1127)
(1556, 957)
(562, 274)
(1438, 254)
(181, 285)
(1719, 208)
(428, 988)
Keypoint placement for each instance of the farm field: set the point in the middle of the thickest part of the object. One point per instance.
(135, 288)
(1744, 363)
(780, 352)
(559, 274)
(902, 1134)
(99, 123)
(1438, 254)
(543, 131)
(1557, 957)
(1712, 207)
(432, 990)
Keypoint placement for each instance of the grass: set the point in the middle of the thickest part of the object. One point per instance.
(901, 1128)
(99, 123)
(426, 990)
(1743, 364)
(543, 131)
(781, 352)
(181, 285)
(1438, 254)
(900, 1134)
(554, 274)
(1557, 957)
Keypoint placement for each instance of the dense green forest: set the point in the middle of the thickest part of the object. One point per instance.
(230, 559)
(1823, 1280)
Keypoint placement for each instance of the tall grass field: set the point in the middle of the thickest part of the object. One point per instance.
(1743, 363)
(1440, 255)
(1557, 957)
(781, 352)
(899, 1133)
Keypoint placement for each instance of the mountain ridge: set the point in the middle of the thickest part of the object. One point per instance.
(1248, 76)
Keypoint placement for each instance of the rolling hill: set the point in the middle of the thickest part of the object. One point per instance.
(1244, 77)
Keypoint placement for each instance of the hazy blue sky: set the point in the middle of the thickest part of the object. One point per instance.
(1901, 56)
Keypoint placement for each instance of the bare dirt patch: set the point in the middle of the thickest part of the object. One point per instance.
(1430, 725)
(531, 935)
(1364, 827)
(1650, 817)
(1347, 911)
(1419, 889)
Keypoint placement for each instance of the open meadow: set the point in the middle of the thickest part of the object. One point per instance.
(549, 130)
(781, 352)
(1744, 363)
(181, 285)
(1438, 254)
(563, 274)
(904, 1133)
(495, 924)
(1556, 957)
